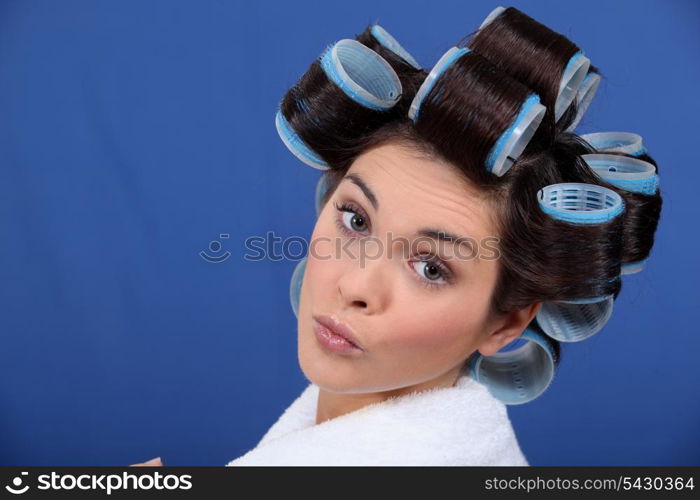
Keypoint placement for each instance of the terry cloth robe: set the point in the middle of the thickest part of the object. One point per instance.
(459, 425)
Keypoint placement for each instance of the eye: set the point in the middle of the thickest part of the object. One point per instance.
(431, 272)
(352, 219)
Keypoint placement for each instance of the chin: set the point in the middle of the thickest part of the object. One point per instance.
(328, 372)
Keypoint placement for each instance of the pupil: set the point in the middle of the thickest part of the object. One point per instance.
(434, 268)
(357, 221)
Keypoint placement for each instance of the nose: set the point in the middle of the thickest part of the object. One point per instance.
(364, 286)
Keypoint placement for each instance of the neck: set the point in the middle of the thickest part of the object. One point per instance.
(334, 404)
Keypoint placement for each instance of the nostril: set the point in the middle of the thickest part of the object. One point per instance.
(360, 303)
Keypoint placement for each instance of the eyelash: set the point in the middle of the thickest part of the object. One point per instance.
(352, 208)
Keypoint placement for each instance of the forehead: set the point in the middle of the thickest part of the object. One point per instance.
(422, 191)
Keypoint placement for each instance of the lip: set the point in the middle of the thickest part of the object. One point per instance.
(335, 335)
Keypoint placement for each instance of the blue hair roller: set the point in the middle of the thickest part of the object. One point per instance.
(578, 203)
(584, 97)
(362, 74)
(575, 320)
(447, 59)
(630, 174)
(296, 145)
(518, 375)
(390, 43)
(572, 78)
(633, 267)
(492, 15)
(512, 141)
(616, 142)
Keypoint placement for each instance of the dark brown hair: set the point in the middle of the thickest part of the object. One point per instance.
(532, 53)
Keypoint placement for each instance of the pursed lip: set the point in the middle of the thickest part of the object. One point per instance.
(339, 328)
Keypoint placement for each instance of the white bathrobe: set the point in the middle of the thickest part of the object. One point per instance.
(459, 425)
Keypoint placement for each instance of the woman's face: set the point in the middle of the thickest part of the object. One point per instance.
(418, 305)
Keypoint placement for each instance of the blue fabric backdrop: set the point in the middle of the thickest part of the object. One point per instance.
(135, 133)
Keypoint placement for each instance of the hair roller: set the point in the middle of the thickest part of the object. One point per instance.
(383, 43)
(626, 173)
(544, 60)
(584, 96)
(522, 371)
(348, 92)
(639, 183)
(475, 114)
(579, 203)
(407, 68)
(598, 209)
(623, 143)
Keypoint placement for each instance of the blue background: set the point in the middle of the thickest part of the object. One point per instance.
(134, 133)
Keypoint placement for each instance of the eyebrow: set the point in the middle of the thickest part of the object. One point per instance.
(439, 234)
(365, 189)
(429, 232)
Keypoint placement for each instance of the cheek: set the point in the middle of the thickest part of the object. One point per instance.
(320, 264)
(441, 323)
(425, 332)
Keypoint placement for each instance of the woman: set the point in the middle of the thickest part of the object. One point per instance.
(458, 214)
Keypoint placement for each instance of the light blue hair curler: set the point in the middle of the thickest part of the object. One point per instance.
(630, 174)
(520, 374)
(361, 74)
(633, 267)
(571, 80)
(512, 141)
(295, 285)
(616, 142)
(438, 69)
(296, 145)
(584, 97)
(390, 43)
(572, 77)
(492, 15)
(577, 203)
(580, 203)
(575, 320)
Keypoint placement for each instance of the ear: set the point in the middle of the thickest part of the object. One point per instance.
(508, 329)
